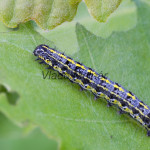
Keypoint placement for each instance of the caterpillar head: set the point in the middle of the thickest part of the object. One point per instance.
(40, 49)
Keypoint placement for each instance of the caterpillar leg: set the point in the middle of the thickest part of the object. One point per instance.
(105, 74)
(42, 62)
(49, 67)
(121, 111)
(148, 132)
(95, 98)
(61, 74)
(71, 81)
(81, 88)
(37, 59)
(109, 104)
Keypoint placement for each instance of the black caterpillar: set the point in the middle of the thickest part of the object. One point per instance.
(99, 84)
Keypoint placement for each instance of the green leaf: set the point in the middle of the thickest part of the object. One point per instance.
(123, 19)
(13, 137)
(49, 14)
(57, 106)
(46, 13)
(101, 9)
(11, 96)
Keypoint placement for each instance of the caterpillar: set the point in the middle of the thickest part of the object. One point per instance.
(100, 85)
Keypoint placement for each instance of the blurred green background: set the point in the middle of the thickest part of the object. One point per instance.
(13, 137)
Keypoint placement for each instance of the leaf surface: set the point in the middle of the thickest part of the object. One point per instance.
(46, 13)
(13, 137)
(50, 13)
(101, 9)
(58, 107)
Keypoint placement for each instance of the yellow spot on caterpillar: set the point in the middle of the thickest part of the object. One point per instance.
(81, 66)
(102, 95)
(115, 101)
(144, 105)
(59, 69)
(93, 90)
(79, 81)
(120, 89)
(55, 67)
(106, 97)
(51, 50)
(139, 119)
(61, 55)
(50, 63)
(41, 57)
(119, 104)
(106, 80)
(133, 97)
(46, 47)
(47, 61)
(126, 109)
(88, 87)
(68, 75)
(129, 110)
(92, 72)
(70, 60)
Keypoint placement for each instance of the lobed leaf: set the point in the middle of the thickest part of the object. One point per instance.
(101, 9)
(58, 107)
(50, 13)
(46, 13)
